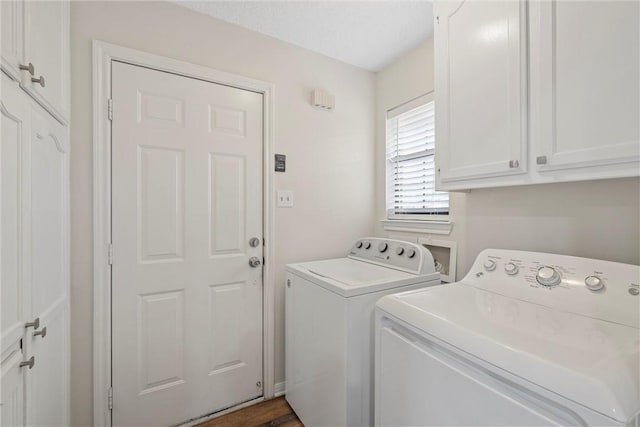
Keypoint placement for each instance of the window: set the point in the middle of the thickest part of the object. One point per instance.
(410, 144)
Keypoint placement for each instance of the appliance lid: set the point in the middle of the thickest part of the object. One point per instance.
(590, 361)
(351, 277)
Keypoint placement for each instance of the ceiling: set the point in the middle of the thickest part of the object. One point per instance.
(368, 34)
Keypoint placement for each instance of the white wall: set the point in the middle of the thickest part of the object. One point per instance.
(330, 157)
(596, 219)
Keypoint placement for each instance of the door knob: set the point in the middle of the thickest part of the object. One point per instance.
(29, 67)
(254, 262)
(29, 363)
(40, 80)
(42, 333)
(35, 324)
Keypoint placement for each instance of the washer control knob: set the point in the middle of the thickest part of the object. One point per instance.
(382, 247)
(399, 250)
(359, 244)
(411, 253)
(548, 276)
(367, 245)
(593, 283)
(489, 265)
(511, 269)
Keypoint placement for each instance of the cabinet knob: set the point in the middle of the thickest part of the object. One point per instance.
(513, 164)
(35, 324)
(42, 333)
(29, 363)
(40, 80)
(29, 67)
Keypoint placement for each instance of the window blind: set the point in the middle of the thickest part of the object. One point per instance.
(410, 161)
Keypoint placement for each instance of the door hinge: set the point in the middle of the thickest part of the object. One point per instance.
(110, 398)
(110, 254)
(110, 108)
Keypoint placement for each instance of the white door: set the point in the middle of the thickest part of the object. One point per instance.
(585, 83)
(48, 381)
(480, 89)
(186, 201)
(46, 30)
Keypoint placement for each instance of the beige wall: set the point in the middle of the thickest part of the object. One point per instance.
(330, 158)
(596, 219)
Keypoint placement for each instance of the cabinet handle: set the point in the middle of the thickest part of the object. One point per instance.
(40, 80)
(541, 160)
(30, 68)
(29, 363)
(35, 324)
(42, 333)
(513, 164)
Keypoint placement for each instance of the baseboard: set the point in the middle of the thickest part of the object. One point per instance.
(278, 389)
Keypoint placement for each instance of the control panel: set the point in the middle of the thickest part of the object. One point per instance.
(405, 256)
(600, 289)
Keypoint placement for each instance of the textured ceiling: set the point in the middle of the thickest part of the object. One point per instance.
(367, 34)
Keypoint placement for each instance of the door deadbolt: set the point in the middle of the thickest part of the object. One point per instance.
(254, 242)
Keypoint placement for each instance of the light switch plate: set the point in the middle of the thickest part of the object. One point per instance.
(285, 199)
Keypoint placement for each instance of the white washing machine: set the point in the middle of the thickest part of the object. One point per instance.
(524, 339)
(329, 326)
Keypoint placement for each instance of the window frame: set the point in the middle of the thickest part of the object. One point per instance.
(391, 217)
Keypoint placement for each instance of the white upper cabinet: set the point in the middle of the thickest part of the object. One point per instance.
(35, 51)
(12, 46)
(481, 89)
(581, 118)
(585, 86)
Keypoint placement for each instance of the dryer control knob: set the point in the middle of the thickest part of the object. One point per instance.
(593, 283)
(382, 247)
(511, 269)
(489, 265)
(399, 250)
(548, 276)
(367, 245)
(411, 253)
(359, 245)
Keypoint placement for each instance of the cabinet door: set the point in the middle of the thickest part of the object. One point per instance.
(12, 394)
(585, 84)
(48, 393)
(14, 169)
(480, 89)
(12, 45)
(47, 48)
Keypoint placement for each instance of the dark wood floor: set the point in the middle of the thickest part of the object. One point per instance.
(272, 413)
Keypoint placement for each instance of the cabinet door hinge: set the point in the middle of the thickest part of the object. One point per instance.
(110, 398)
(110, 254)
(110, 108)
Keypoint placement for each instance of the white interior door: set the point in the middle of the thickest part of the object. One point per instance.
(186, 200)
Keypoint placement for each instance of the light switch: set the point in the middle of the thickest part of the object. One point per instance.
(285, 199)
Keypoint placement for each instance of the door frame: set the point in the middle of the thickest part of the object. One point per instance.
(103, 55)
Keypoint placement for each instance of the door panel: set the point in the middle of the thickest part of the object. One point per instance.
(12, 394)
(48, 381)
(480, 89)
(15, 197)
(186, 198)
(12, 46)
(586, 84)
(47, 47)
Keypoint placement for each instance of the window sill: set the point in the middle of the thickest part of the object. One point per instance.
(418, 226)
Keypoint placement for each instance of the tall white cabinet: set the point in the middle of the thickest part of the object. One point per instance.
(536, 91)
(34, 214)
